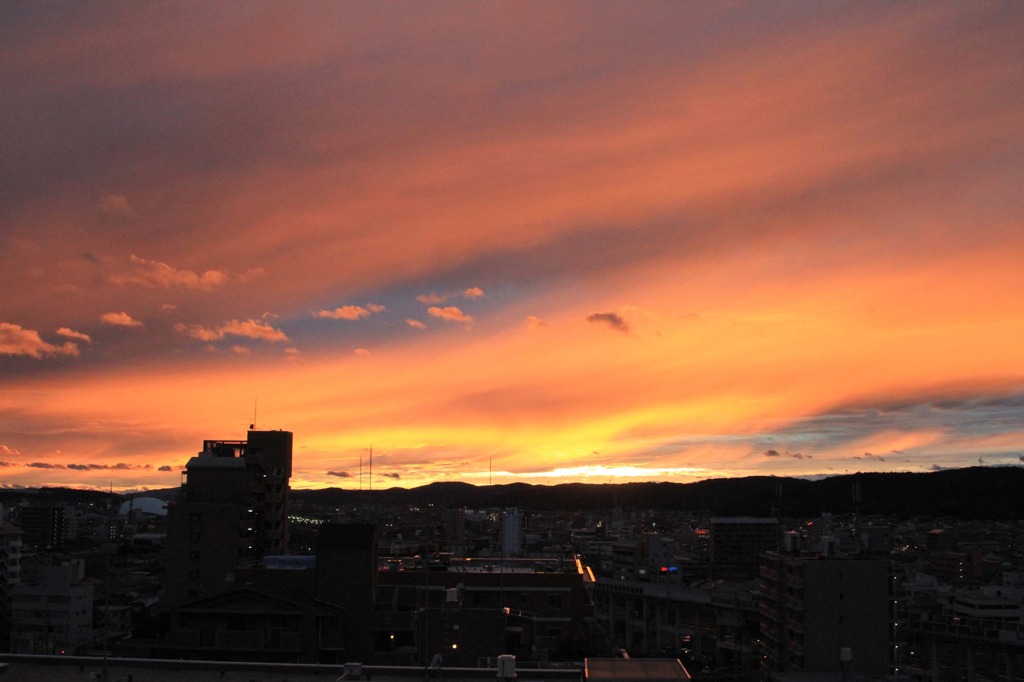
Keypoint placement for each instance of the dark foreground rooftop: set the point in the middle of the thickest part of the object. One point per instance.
(28, 668)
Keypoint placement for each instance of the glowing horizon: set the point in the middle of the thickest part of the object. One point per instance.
(533, 243)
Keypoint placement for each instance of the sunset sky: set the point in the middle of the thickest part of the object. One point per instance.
(520, 241)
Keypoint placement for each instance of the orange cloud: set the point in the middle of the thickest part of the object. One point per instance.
(415, 324)
(252, 329)
(350, 312)
(450, 314)
(120, 320)
(72, 334)
(153, 273)
(473, 292)
(16, 340)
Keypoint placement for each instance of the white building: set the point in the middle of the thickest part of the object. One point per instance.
(53, 615)
(511, 532)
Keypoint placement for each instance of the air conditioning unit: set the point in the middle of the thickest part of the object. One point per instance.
(506, 666)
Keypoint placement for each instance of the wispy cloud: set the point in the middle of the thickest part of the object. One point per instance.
(117, 206)
(433, 298)
(120, 466)
(339, 474)
(72, 334)
(473, 292)
(151, 273)
(16, 340)
(250, 329)
(415, 324)
(613, 320)
(350, 312)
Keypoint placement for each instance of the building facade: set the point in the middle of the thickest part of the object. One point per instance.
(232, 509)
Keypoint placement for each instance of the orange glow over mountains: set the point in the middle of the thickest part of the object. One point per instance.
(529, 242)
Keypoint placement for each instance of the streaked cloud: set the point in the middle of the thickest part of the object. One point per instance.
(415, 324)
(72, 334)
(251, 329)
(151, 273)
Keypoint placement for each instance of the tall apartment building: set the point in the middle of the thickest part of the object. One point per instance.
(824, 615)
(232, 509)
(511, 532)
(10, 574)
(43, 524)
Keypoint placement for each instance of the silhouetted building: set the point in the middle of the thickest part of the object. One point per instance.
(10, 575)
(232, 509)
(511, 532)
(42, 523)
(468, 609)
(824, 615)
(346, 576)
(737, 543)
(53, 613)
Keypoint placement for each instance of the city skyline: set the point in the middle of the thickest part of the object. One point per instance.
(511, 242)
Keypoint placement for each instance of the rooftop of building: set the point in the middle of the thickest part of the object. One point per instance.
(30, 668)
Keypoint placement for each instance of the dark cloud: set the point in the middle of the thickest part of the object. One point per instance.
(44, 465)
(870, 457)
(787, 453)
(613, 320)
(14, 464)
(120, 466)
(339, 474)
(394, 476)
(166, 467)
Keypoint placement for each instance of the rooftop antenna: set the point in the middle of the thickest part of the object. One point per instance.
(360, 471)
(255, 403)
(371, 466)
(490, 469)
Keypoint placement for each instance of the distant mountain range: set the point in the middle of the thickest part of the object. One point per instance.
(976, 492)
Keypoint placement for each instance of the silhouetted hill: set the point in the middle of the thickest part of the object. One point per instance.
(12, 496)
(977, 492)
